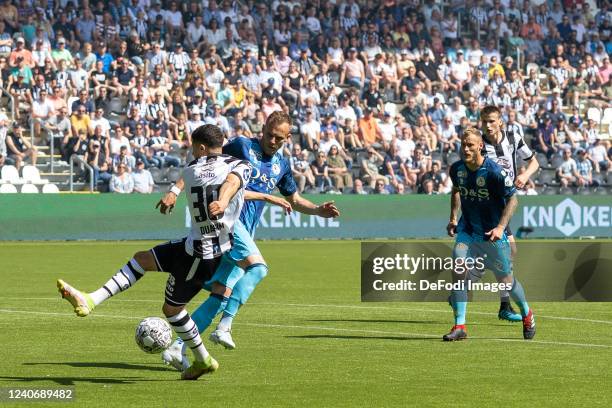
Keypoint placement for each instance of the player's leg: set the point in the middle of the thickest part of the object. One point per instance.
(219, 287)
(506, 312)
(499, 261)
(458, 298)
(187, 275)
(246, 256)
(128, 275)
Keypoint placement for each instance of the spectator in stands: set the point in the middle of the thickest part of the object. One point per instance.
(337, 169)
(320, 170)
(370, 167)
(99, 162)
(599, 153)
(369, 131)
(121, 182)
(42, 112)
(567, 172)
(19, 148)
(143, 181)
(353, 71)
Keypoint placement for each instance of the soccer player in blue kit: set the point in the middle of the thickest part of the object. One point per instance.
(245, 267)
(486, 196)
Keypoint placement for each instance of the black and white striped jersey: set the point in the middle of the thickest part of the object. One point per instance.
(210, 237)
(512, 146)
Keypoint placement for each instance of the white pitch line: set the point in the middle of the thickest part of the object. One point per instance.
(539, 316)
(332, 329)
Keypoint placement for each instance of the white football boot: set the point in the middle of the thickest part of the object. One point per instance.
(175, 356)
(224, 338)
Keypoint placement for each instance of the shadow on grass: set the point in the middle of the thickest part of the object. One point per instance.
(344, 337)
(114, 365)
(404, 321)
(379, 321)
(77, 380)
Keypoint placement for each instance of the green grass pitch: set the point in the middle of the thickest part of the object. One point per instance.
(305, 339)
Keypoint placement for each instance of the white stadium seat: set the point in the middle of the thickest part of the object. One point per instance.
(50, 189)
(8, 189)
(607, 117)
(11, 175)
(594, 114)
(30, 174)
(29, 189)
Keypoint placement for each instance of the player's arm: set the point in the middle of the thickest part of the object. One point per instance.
(167, 202)
(451, 228)
(497, 232)
(274, 200)
(532, 167)
(228, 190)
(327, 210)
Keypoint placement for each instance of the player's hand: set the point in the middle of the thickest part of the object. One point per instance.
(281, 202)
(521, 180)
(451, 228)
(495, 234)
(328, 210)
(217, 208)
(166, 204)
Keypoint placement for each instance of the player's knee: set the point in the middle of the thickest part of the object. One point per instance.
(251, 260)
(220, 289)
(258, 270)
(169, 310)
(146, 260)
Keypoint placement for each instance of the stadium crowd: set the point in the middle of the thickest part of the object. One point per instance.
(380, 91)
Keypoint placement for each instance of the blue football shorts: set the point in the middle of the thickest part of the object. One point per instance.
(228, 272)
(495, 255)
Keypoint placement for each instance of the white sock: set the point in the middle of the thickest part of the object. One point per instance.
(122, 280)
(187, 330)
(225, 324)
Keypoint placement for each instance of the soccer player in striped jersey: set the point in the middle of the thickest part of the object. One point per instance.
(486, 196)
(215, 194)
(244, 267)
(504, 147)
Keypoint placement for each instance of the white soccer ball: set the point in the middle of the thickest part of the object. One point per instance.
(153, 335)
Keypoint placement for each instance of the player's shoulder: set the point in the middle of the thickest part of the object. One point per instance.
(456, 166)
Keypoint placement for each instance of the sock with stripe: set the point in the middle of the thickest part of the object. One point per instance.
(241, 293)
(206, 312)
(518, 295)
(187, 330)
(122, 280)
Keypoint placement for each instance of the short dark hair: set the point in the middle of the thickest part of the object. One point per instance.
(208, 135)
(489, 109)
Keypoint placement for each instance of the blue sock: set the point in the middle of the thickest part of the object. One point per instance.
(207, 311)
(459, 303)
(244, 287)
(518, 294)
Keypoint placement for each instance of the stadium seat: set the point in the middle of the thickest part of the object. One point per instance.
(607, 117)
(157, 174)
(531, 66)
(173, 174)
(542, 159)
(11, 175)
(594, 114)
(8, 189)
(556, 161)
(452, 158)
(391, 109)
(69, 103)
(30, 174)
(29, 189)
(547, 177)
(50, 189)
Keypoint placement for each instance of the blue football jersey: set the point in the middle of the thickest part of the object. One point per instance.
(268, 173)
(484, 194)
